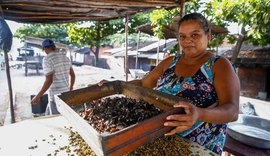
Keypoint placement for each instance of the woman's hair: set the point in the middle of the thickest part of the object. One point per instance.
(197, 17)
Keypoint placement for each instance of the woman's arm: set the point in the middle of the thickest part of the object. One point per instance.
(227, 86)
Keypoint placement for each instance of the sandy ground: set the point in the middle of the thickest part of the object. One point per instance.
(25, 86)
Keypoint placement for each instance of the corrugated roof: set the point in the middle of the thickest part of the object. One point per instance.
(36, 42)
(116, 50)
(251, 55)
(250, 51)
(153, 47)
(149, 49)
(64, 11)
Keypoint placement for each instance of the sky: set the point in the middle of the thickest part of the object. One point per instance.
(13, 25)
(16, 43)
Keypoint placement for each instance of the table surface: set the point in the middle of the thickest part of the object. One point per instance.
(18, 138)
(239, 149)
(48, 134)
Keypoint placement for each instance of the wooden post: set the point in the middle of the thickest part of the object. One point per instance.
(126, 40)
(9, 88)
(138, 44)
(181, 14)
(158, 52)
(236, 49)
(182, 11)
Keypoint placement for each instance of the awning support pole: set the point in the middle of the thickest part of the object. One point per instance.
(138, 45)
(9, 88)
(126, 40)
(158, 52)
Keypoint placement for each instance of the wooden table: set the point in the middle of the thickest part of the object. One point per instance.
(48, 133)
(20, 137)
(37, 64)
(236, 148)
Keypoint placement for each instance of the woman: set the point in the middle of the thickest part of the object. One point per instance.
(208, 81)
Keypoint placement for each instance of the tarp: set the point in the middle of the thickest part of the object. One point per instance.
(5, 36)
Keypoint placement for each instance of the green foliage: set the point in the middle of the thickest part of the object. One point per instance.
(137, 20)
(253, 15)
(89, 36)
(56, 32)
(193, 6)
(231, 38)
(119, 39)
(174, 49)
(162, 17)
(101, 32)
(216, 40)
(134, 21)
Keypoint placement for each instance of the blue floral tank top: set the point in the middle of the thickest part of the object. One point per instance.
(200, 90)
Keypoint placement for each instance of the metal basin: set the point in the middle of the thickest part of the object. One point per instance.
(251, 130)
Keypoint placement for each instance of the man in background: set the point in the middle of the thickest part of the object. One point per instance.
(57, 69)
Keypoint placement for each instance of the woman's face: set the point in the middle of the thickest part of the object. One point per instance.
(192, 38)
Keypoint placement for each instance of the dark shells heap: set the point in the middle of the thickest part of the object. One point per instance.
(164, 146)
(113, 114)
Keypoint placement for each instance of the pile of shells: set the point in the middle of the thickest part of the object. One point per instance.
(80, 147)
(113, 114)
(164, 146)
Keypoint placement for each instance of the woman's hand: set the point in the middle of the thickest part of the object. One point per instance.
(182, 122)
(100, 83)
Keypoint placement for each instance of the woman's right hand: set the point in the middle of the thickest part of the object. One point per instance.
(100, 83)
(182, 122)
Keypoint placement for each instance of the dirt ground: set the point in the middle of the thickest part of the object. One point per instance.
(25, 86)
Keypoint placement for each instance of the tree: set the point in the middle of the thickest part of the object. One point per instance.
(136, 20)
(99, 32)
(56, 32)
(117, 40)
(164, 17)
(252, 15)
(92, 36)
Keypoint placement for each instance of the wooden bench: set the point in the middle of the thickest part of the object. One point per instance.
(33, 62)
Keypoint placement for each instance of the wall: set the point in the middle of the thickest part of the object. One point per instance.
(267, 88)
(116, 64)
(253, 80)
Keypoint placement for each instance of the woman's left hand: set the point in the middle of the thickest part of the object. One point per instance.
(182, 122)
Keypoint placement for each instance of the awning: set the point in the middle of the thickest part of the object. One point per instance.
(63, 11)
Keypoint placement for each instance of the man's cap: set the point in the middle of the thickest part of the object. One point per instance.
(47, 43)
